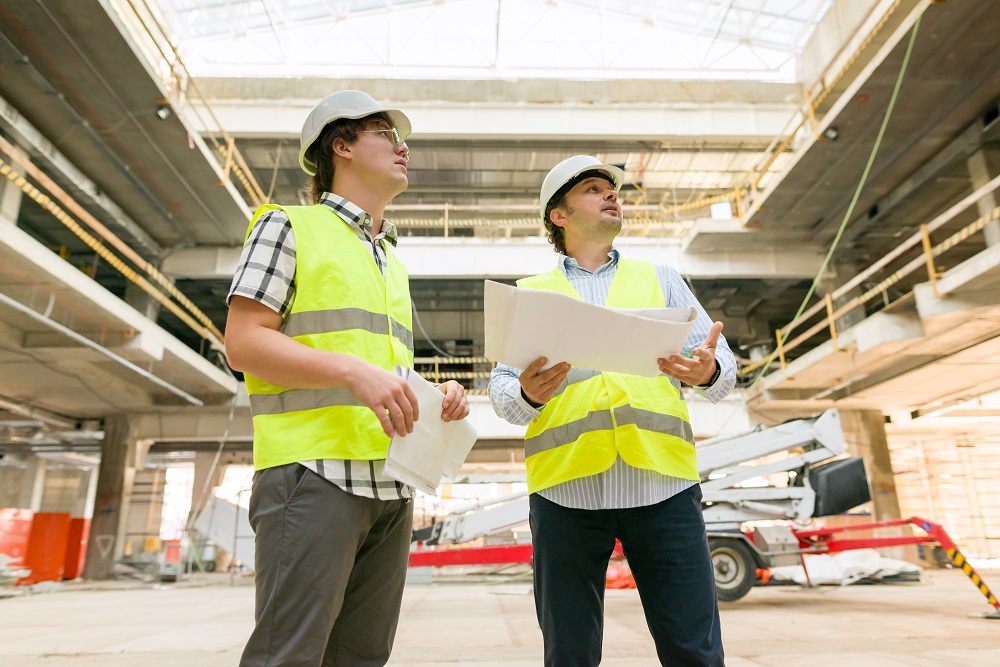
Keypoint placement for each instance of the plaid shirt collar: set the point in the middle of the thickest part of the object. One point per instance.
(357, 218)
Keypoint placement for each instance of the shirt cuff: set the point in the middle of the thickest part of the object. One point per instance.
(527, 404)
(715, 376)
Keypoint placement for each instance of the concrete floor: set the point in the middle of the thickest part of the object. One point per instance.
(205, 623)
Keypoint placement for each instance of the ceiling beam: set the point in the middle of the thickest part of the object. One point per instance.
(439, 257)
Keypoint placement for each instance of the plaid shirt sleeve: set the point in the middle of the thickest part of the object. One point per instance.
(266, 270)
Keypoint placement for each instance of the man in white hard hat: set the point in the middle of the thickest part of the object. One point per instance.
(611, 456)
(319, 317)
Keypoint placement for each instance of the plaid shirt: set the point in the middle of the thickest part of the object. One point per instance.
(266, 273)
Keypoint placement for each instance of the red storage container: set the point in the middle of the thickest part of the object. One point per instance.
(15, 527)
(47, 547)
(76, 548)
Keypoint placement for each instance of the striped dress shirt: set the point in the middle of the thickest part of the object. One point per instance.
(621, 486)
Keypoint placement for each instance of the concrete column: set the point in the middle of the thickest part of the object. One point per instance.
(85, 509)
(864, 436)
(33, 484)
(10, 198)
(114, 487)
(829, 283)
(64, 488)
(200, 492)
(142, 301)
(980, 174)
(11, 479)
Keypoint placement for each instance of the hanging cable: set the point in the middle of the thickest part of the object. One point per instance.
(423, 332)
(786, 331)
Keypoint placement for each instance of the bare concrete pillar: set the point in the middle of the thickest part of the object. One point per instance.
(85, 509)
(114, 488)
(10, 198)
(205, 480)
(980, 174)
(864, 436)
(64, 489)
(830, 282)
(142, 301)
(33, 484)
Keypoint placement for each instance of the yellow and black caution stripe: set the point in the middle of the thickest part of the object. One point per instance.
(958, 559)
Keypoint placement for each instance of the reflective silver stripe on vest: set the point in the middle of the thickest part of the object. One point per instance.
(647, 420)
(293, 400)
(598, 420)
(345, 319)
(404, 335)
(574, 376)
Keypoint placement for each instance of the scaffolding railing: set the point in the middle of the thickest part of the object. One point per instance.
(924, 259)
(155, 43)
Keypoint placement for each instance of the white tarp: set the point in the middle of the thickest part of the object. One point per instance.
(844, 568)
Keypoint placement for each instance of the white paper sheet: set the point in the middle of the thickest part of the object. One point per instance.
(524, 324)
(436, 448)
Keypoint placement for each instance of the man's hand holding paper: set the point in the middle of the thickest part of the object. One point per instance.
(698, 369)
(539, 385)
(440, 440)
(523, 325)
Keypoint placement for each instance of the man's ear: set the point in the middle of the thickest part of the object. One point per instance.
(342, 149)
(558, 216)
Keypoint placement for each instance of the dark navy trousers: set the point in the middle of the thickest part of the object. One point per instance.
(667, 551)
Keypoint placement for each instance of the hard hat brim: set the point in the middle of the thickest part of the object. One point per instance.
(396, 117)
(614, 174)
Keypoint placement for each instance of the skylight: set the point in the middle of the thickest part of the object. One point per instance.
(494, 39)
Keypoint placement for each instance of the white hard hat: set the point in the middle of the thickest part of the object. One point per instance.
(343, 104)
(569, 169)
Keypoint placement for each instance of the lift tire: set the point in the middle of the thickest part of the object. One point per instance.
(734, 568)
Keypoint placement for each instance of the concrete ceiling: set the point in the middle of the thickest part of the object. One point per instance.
(95, 100)
(70, 71)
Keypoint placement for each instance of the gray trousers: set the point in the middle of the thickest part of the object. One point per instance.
(330, 572)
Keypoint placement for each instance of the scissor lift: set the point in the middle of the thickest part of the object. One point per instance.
(808, 477)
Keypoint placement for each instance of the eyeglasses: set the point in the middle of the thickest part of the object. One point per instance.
(392, 135)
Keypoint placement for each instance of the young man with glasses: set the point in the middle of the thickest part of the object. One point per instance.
(319, 316)
(611, 456)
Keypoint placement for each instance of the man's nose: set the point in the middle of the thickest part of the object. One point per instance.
(611, 195)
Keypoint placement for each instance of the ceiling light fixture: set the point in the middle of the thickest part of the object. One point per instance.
(163, 111)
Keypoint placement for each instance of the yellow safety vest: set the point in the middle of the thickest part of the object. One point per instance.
(595, 416)
(343, 304)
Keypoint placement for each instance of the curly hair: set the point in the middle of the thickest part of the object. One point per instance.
(321, 150)
(555, 233)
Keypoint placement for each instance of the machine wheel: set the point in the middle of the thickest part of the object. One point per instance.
(734, 567)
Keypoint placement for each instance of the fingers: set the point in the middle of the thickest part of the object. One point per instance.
(460, 410)
(541, 386)
(402, 417)
(679, 364)
(455, 405)
(535, 366)
(554, 376)
(695, 371)
(383, 418)
(403, 410)
(713, 336)
(411, 398)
